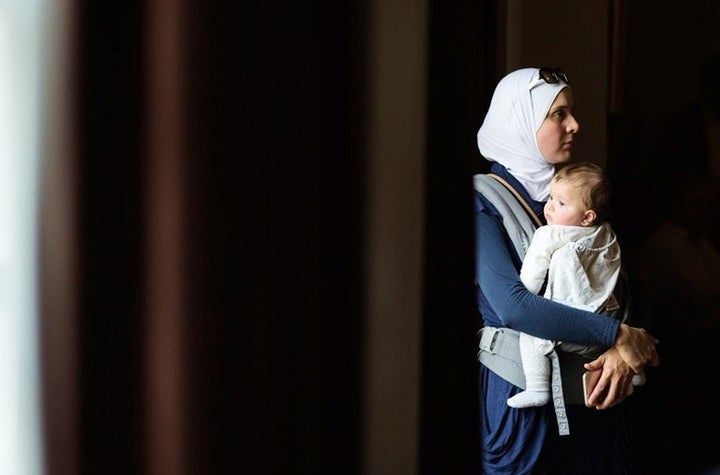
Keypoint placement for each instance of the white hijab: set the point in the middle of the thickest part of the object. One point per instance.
(508, 133)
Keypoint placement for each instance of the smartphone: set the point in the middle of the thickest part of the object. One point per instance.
(589, 380)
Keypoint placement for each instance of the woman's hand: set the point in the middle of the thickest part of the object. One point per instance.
(636, 347)
(615, 383)
(633, 350)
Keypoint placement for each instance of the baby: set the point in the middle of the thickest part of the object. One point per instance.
(579, 254)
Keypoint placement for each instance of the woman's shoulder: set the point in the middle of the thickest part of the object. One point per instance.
(483, 191)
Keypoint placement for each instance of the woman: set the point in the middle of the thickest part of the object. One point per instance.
(528, 130)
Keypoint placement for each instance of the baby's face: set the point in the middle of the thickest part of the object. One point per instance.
(565, 205)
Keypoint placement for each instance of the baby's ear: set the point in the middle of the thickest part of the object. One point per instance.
(589, 217)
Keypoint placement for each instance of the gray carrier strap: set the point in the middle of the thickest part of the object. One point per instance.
(500, 353)
(518, 224)
(558, 398)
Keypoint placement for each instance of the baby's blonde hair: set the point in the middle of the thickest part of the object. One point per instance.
(594, 186)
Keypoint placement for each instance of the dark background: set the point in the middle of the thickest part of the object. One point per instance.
(276, 193)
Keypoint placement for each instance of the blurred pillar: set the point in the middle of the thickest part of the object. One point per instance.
(165, 401)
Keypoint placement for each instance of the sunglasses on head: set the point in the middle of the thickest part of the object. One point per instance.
(553, 75)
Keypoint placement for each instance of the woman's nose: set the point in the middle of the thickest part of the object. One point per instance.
(574, 125)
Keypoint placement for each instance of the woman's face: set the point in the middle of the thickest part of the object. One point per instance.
(555, 135)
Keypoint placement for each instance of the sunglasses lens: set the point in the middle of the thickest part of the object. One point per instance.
(553, 75)
(547, 76)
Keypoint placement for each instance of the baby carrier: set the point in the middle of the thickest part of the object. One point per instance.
(499, 348)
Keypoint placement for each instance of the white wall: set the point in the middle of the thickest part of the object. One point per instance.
(20, 138)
